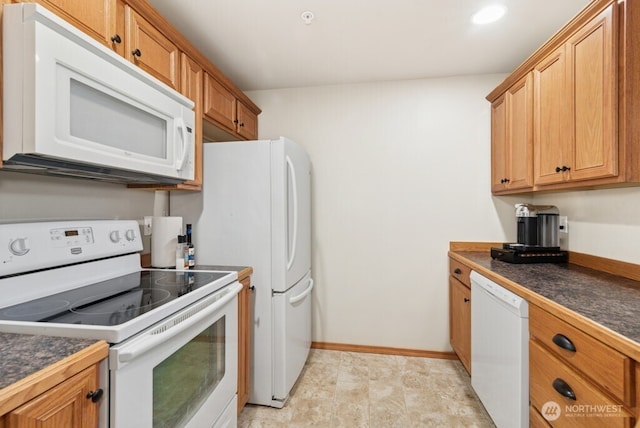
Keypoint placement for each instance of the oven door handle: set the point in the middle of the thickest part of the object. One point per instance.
(176, 325)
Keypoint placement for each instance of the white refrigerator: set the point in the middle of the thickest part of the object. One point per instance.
(255, 210)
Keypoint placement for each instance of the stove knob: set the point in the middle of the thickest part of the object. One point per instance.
(114, 236)
(130, 235)
(19, 246)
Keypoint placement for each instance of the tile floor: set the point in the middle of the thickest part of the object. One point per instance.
(351, 390)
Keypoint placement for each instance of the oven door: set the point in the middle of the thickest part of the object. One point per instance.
(180, 372)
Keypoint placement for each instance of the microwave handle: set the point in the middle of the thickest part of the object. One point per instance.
(185, 143)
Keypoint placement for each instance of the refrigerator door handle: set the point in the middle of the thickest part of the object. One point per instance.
(292, 253)
(295, 299)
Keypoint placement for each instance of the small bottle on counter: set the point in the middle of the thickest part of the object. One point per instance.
(182, 257)
(191, 249)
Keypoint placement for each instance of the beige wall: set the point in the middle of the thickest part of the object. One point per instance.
(604, 222)
(33, 197)
(398, 170)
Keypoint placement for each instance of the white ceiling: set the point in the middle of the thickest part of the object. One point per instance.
(265, 44)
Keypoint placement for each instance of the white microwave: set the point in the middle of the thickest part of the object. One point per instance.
(73, 107)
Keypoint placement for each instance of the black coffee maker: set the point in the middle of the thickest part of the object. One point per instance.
(537, 237)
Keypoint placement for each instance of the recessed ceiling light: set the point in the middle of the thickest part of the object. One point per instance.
(489, 14)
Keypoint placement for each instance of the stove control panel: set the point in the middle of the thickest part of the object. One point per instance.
(25, 247)
(72, 237)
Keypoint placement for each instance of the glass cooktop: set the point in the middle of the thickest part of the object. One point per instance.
(112, 302)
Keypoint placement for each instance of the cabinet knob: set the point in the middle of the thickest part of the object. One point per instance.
(96, 395)
(564, 342)
(457, 271)
(241, 125)
(563, 389)
(252, 288)
(466, 300)
(137, 53)
(558, 169)
(563, 168)
(116, 39)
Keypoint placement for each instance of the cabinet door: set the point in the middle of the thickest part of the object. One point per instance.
(592, 91)
(247, 122)
(192, 83)
(149, 49)
(460, 321)
(499, 148)
(244, 343)
(520, 134)
(65, 405)
(219, 104)
(97, 18)
(551, 133)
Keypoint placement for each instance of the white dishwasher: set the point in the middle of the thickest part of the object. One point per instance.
(500, 352)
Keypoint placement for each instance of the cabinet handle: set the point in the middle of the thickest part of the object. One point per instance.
(564, 389)
(241, 125)
(466, 300)
(137, 53)
(457, 271)
(95, 395)
(116, 39)
(252, 288)
(564, 342)
(563, 168)
(558, 169)
(566, 168)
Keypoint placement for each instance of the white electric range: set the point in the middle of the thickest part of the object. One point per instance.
(173, 334)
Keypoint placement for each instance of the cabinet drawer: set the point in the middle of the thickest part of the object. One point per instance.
(590, 405)
(460, 271)
(536, 420)
(604, 365)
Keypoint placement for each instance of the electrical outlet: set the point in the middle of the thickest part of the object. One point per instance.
(563, 224)
(147, 225)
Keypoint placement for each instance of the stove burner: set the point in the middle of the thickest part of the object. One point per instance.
(49, 307)
(126, 304)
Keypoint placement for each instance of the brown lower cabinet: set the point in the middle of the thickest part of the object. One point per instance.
(574, 379)
(460, 312)
(244, 342)
(65, 405)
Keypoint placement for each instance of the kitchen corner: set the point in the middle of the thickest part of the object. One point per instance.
(583, 327)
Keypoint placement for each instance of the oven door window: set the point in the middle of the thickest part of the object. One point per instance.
(184, 380)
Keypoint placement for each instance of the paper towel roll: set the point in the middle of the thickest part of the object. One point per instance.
(164, 238)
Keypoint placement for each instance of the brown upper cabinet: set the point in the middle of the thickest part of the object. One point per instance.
(97, 18)
(578, 115)
(512, 138)
(575, 106)
(150, 50)
(223, 108)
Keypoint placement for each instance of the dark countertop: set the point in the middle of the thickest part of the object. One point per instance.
(608, 300)
(23, 355)
(242, 270)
